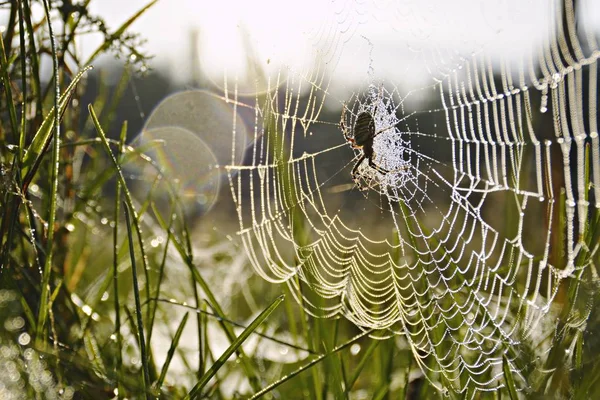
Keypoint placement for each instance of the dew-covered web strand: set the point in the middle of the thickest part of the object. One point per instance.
(136, 97)
(318, 187)
(462, 282)
(316, 190)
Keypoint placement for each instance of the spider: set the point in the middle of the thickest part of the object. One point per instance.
(362, 138)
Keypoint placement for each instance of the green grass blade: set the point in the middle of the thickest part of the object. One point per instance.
(35, 67)
(195, 392)
(171, 352)
(128, 198)
(138, 306)
(199, 331)
(93, 352)
(23, 50)
(44, 300)
(12, 111)
(585, 389)
(161, 272)
(404, 392)
(9, 31)
(317, 360)
(197, 301)
(119, 366)
(249, 370)
(119, 340)
(381, 392)
(366, 357)
(218, 317)
(508, 378)
(106, 45)
(579, 351)
(33, 156)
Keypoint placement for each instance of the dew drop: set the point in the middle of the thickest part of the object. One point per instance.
(24, 339)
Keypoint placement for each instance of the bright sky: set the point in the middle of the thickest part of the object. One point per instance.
(168, 26)
(279, 31)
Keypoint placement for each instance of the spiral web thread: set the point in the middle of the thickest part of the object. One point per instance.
(461, 291)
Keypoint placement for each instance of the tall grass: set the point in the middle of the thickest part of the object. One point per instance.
(82, 319)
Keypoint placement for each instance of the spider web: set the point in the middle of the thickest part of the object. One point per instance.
(452, 242)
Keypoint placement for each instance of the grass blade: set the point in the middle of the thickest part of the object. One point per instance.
(218, 317)
(404, 392)
(366, 357)
(23, 50)
(508, 378)
(44, 300)
(34, 153)
(138, 305)
(128, 199)
(187, 258)
(317, 360)
(104, 46)
(119, 341)
(171, 352)
(233, 347)
(12, 111)
(153, 305)
(35, 67)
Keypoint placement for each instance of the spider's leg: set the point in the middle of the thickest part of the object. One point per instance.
(355, 169)
(377, 167)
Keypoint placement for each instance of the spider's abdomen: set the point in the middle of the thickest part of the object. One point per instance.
(364, 129)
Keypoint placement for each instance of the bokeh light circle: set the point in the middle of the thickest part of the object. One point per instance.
(186, 162)
(209, 117)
